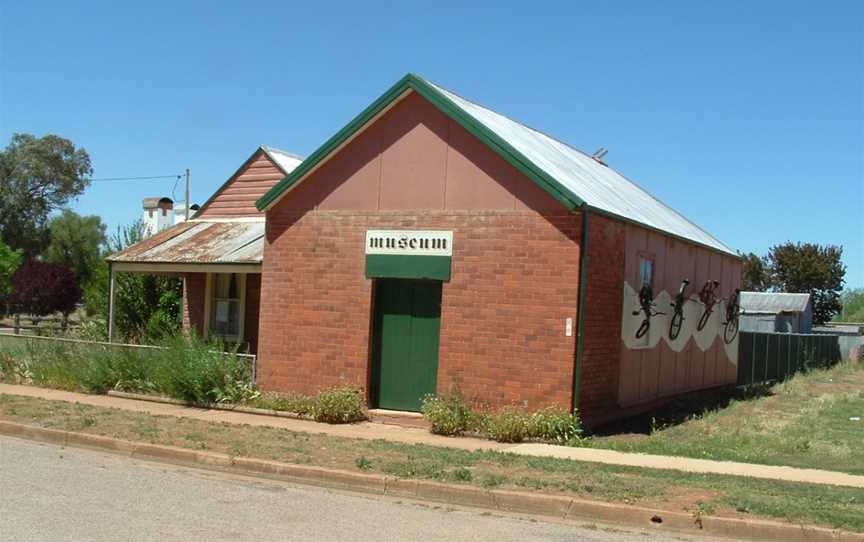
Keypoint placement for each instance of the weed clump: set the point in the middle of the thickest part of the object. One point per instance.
(339, 405)
(449, 414)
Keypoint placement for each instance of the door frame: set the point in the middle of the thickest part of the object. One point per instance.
(375, 335)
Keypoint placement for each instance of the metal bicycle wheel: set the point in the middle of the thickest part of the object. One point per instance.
(675, 324)
(731, 330)
(703, 321)
(643, 328)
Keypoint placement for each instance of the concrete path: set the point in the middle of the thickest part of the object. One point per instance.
(373, 431)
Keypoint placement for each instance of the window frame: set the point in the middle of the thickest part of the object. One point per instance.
(649, 257)
(645, 343)
(241, 309)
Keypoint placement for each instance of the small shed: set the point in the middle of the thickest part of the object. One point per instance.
(776, 312)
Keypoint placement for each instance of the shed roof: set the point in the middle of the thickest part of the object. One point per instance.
(569, 175)
(199, 241)
(773, 302)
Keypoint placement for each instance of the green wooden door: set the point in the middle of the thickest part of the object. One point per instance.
(407, 328)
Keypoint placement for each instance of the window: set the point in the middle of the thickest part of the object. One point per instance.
(227, 297)
(645, 278)
(646, 272)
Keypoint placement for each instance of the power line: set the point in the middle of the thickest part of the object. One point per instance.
(152, 177)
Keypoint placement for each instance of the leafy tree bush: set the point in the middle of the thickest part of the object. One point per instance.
(754, 273)
(810, 268)
(76, 242)
(9, 262)
(37, 176)
(41, 289)
(853, 306)
(147, 308)
(799, 268)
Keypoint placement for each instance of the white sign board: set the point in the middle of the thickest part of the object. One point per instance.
(409, 243)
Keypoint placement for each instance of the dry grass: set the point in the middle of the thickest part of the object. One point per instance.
(698, 494)
(808, 421)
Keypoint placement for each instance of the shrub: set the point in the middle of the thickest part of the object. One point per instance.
(449, 414)
(508, 425)
(555, 425)
(339, 405)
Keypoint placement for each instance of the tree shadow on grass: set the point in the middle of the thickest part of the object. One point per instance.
(680, 410)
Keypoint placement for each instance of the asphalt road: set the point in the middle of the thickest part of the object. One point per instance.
(53, 493)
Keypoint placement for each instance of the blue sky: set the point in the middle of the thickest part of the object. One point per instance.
(745, 116)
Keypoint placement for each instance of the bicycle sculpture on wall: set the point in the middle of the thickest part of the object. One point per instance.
(678, 311)
(646, 306)
(708, 297)
(733, 310)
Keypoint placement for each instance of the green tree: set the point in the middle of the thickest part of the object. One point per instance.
(37, 176)
(9, 262)
(809, 268)
(76, 242)
(146, 307)
(853, 306)
(754, 273)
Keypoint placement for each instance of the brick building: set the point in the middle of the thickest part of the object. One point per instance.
(433, 243)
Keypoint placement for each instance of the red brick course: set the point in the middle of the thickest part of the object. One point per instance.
(515, 281)
(598, 390)
(194, 292)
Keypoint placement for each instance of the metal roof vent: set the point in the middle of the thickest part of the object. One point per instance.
(599, 154)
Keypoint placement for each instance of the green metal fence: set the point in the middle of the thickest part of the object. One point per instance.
(773, 357)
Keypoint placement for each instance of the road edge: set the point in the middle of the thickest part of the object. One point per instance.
(553, 506)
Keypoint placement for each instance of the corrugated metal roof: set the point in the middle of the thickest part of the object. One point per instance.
(594, 183)
(286, 161)
(773, 302)
(200, 242)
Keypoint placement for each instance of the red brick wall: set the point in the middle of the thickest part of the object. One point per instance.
(194, 292)
(598, 390)
(515, 280)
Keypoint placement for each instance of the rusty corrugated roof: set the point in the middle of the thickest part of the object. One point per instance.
(199, 242)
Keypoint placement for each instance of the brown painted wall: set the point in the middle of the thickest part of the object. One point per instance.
(417, 158)
(237, 198)
(652, 373)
